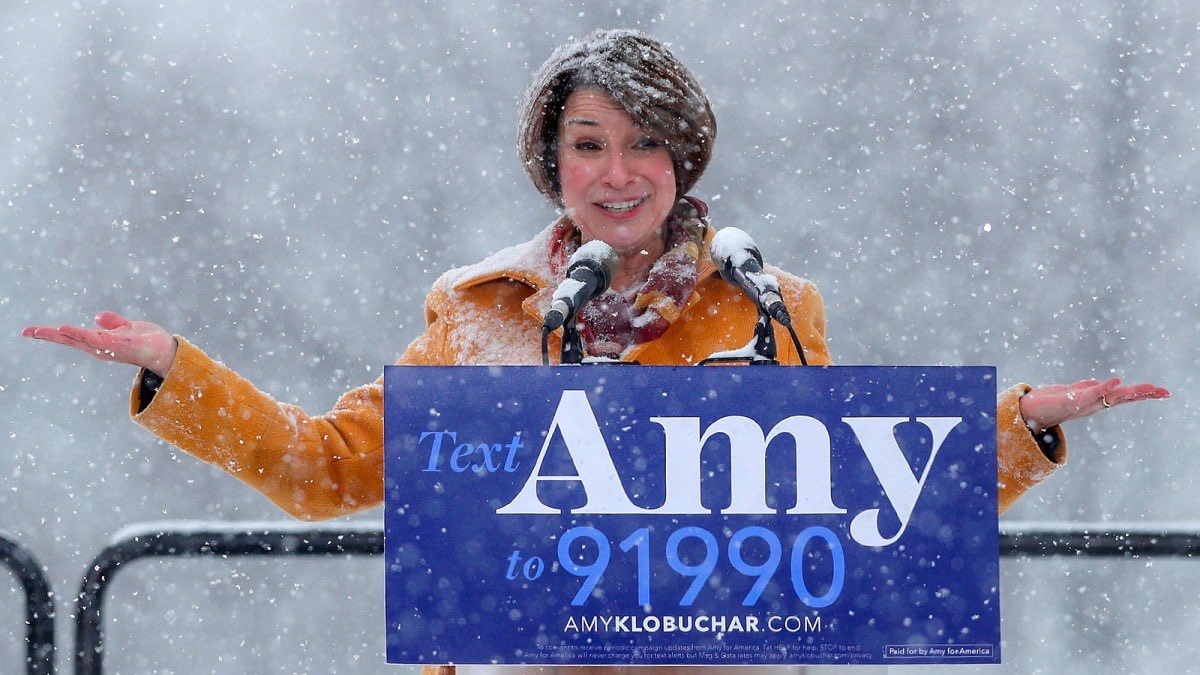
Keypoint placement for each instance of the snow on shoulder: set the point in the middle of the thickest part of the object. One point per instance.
(526, 262)
(478, 331)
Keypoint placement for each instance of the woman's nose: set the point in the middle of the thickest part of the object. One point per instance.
(618, 172)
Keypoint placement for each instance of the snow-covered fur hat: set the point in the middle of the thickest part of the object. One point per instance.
(642, 77)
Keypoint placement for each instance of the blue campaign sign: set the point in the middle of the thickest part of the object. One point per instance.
(613, 514)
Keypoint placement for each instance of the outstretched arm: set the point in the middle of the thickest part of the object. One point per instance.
(1052, 404)
(139, 343)
(311, 466)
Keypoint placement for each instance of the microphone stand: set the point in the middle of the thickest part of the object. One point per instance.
(765, 348)
(572, 343)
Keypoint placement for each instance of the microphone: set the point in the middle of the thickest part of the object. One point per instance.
(741, 264)
(589, 273)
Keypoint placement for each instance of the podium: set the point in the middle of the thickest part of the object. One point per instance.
(660, 515)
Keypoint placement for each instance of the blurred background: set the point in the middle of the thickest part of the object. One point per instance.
(994, 183)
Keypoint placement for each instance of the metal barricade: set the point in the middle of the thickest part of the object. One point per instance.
(1101, 540)
(287, 539)
(180, 539)
(39, 605)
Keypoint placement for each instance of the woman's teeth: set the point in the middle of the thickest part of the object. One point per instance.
(621, 207)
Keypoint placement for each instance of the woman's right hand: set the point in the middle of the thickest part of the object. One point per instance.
(138, 343)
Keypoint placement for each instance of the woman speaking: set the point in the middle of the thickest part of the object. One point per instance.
(615, 131)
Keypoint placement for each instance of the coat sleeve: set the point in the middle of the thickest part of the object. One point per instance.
(1021, 464)
(313, 467)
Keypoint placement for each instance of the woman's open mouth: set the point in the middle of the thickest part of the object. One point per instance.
(621, 208)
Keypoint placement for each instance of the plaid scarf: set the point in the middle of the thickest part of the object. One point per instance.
(615, 321)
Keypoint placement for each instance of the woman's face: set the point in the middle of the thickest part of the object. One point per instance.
(618, 183)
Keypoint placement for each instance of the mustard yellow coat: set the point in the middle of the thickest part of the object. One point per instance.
(331, 465)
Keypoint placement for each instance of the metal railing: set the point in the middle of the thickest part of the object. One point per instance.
(39, 605)
(176, 539)
(1100, 540)
(286, 539)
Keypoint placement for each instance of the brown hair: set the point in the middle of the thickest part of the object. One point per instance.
(643, 78)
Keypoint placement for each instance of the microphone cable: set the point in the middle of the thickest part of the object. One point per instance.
(795, 340)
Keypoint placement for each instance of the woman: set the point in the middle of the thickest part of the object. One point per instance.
(615, 131)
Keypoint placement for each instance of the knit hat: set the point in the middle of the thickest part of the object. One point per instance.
(643, 78)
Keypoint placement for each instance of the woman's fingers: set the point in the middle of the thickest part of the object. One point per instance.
(1137, 392)
(106, 320)
(47, 333)
(58, 337)
(104, 345)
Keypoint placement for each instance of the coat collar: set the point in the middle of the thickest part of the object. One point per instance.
(527, 263)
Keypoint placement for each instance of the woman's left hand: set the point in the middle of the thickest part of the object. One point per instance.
(1052, 404)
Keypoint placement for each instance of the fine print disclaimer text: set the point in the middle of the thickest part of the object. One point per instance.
(683, 653)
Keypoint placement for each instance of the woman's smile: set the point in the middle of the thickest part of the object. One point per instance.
(624, 209)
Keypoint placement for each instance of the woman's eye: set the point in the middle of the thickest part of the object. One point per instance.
(646, 143)
(586, 146)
